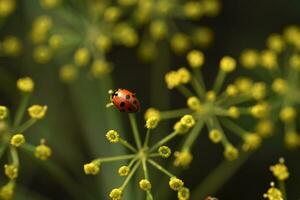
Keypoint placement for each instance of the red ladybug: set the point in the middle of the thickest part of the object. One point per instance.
(125, 101)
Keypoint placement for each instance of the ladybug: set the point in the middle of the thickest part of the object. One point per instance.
(124, 100)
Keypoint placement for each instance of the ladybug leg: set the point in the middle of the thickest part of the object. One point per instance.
(109, 105)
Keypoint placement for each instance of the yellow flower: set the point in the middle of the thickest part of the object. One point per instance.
(164, 151)
(11, 171)
(227, 64)
(37, 111)
(287, 114)
(273, 193)
(194, 103)
(291, 34)
(42, 151)
(211, 7)
(17, 140)
(268, 59)
(280, 170)
(188, 121)
(292, 140)
(116, 194)
(82, 57)
(91, 168)
(7, 191)
(42, 54)
(215, 136)
(183, 158)
(184, 75)
(151, 123)
(126, 35)
(25, 84)
(294, 62)
(230, 152)
(243, 84)
(233, 112)
(152, 112)
(231, 90)
(211, 96)
(145, 184)
(175, 183)
(249, 58)
(180, 43)
(100, 68)
(279, 86)
(202, 36)
(158, 29)
(276, 43)
(42, 23)
(68, 73)
(3, 112)
(103, 43)
(147, 51)
(260, 110)
(48, 4)
(172, 79)
(264, 128)
(251, 142)
(55, 41)
(7, 7)
(193, 9)
(124, 170)
(183, 194)
(11, 46)
(112, 14)
(112, 136)
(126, 2)
(180, 128)
(258, 91)
(195, 59)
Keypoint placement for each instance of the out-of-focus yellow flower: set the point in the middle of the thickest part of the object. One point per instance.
(264, 128)
(7, 191)
(37, 111)
(42, 54)
(231, 90)
(268, 59)
(211, 96)
(55, 41)
(287, 114)
(175, 183)
(227, 64)
(202, 36)
(127, 2)
(100, 68)
(193, 9)
(68, 73)
(195, 59)
(184, 75)
(91, 168)
(251, 142)
(294, 61)
(233, 112)
(82, 57)
(230, 152)
(145, 184)
(215, 135)
(258, 90)
(152, 112)
(11, 46)
(280, 170)
(260, 110)
(147, 51)
(11, 171)
(172, 79)
(211, 7)
(17, 140)
(183, 194)
(292, 140)
(42, 151)
(103, 43)
(194, 103)
(249, 58)
(243, 84)
(126, 35)
(116, 194)
(7, 7)
(291, 34)
(3, 112)
(112, 14)
(180, 43)
(49, 4)
(279, 86)
(183, 158)
(25, 84)
(276, 43)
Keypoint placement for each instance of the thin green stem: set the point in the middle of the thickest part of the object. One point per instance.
(219, 81)
(132, 162)
(233, 127)
(128, 145)
(192, 136)
(282, 189)
(26, 125)
(135, 130)
(130, 175)
(198, 88)
(184, 91)
(144, 164)
(115, 158)
(163, 141)
(21, 109)
(14, 155)
(2, 149)
(174, 113)
(147, 138)
(159, 167)
(199, 78)
(152, 155)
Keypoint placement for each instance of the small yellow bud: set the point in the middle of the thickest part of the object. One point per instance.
(25, 84)
(195, 59)
(243, 84)
(294, 62)
(180, 43)
(116, 194)
(258, 91)
(147, 51)
(49, 4)
(91, 168)
(3, 112)
(279, 86)
(273, 193)
(183, 158)
(230, 152)
(180, 128)
(124, 170)
(126, 35)
(55, 41)
(276, 43)
(211, 96)
(249, 58)
(292, 140)
(152, 112)
(172, 79)
(11, 171)
(183, 194)
(82, 57)
(184, 75)
(100, 68)
(42, 24)
(264, 128)
(251, 142)
(12, 46)
(7, 191)
(291, 34)
(145, 184)
(7, 7)
(193, 9)
(227, 64)
(268, 59)
(202, 36)
(151, 123)
(112, 136)
(188, 121)
(17, 140)
(158, 29)
(260, 110)
(42, 151)
(211, 7)
(164, 151)
(103, 43)
(42, 54)
(68, 73)
(287, 114)
(112, 14)
(37, 111)
(280, 170)
(175, 183)
(231, 90)
(194, 103)
(215, 135)
(233, 112)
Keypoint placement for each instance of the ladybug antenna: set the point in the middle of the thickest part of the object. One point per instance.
(110, 91)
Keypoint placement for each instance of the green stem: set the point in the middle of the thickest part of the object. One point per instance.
(26, 125)
(147, 138)
(159, 167)
(149, 195)
(115, 158)
(126, 144)
(21, 110)
(184, 91)
(193, 135)
(282, 189)
(2, 149)
(219, 81)
(163, 141)
(218, 177)
(199, 78)
(233, 127)
(174, 113)
(14, 155)
(198, 88)
(130, 175)
(135, 130)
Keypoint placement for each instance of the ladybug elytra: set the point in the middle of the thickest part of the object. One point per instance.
(125, 101)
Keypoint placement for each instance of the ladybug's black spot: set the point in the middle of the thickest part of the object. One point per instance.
(127, 97)
(133, 96)
(130, 109)
(134, 102)
(122, 104)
